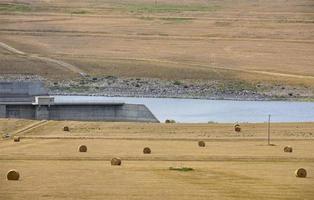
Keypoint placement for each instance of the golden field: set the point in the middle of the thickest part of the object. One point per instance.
(168, 39)
(230, 166)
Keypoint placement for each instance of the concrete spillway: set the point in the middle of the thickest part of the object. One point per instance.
(18, 101)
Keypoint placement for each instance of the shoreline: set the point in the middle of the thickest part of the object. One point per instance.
(112, 86)
(186, 97)
(180, 89)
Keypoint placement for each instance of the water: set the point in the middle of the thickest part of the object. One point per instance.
(222, 111)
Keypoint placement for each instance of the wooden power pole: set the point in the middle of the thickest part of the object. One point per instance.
(268, 138)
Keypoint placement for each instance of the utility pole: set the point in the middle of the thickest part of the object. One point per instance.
(268, 130)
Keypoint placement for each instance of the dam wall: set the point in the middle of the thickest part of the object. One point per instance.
(20, 111)
(125, 112)
(79, 112)
(21, 91)
(30, 100)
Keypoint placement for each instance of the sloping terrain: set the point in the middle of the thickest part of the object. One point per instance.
(251, 43)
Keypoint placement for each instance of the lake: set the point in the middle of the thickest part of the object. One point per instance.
(221, 111)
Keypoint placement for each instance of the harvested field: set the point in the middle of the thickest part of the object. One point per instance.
(225, 168)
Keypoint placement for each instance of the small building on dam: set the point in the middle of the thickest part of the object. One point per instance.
(30, 100)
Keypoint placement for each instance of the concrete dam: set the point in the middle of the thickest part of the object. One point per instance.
(30, 100)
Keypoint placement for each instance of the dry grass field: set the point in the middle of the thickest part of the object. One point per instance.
(230, 166)
(168, 39)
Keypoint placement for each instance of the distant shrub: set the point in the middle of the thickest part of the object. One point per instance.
(170, 121)
(182, 169)
(15, 7)
(177, 82)
(79, 12)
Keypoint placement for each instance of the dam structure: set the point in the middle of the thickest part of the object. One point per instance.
(30, 100)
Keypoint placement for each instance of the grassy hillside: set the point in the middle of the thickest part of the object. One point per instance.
(251, 41)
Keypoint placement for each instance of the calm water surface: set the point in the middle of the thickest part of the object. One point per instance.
(194, 110)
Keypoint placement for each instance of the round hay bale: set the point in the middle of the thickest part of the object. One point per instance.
(16, 138)
(201, 143)
(301, 173)
(147, 150)
(83, 148)
(115, 161)
(237, 128)
(288, 149)
(66, 128)
(13, 175)
(6, 135)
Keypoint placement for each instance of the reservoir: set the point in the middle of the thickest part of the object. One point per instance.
(204, 111)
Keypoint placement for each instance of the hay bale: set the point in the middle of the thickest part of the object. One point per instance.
(237, 128)
(201, 143)
(147, 150)
(288, 149)
(16, 138)
(13, 175)
(301, 173)
(66, 128)
(83, 148)
(115, 161)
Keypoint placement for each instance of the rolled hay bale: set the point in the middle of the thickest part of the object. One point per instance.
(147, 150)
(5, 135)
(66, 128)
(16, 138)
(301, 173)
(288, 149)
(237, 128)
(115, 161)
(201, 143)
(83, 148)
(13, 175)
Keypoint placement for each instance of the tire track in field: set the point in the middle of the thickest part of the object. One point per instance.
(42, 58)
(158, 158)
(193, 65)
(30, 127)
(206, 67)
(223, 139)
(33, 21)
(74, 33)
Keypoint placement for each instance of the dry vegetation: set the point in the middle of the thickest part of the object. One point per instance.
(170, 39)
(231, 165)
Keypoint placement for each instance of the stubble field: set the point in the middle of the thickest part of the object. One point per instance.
(230, 166)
